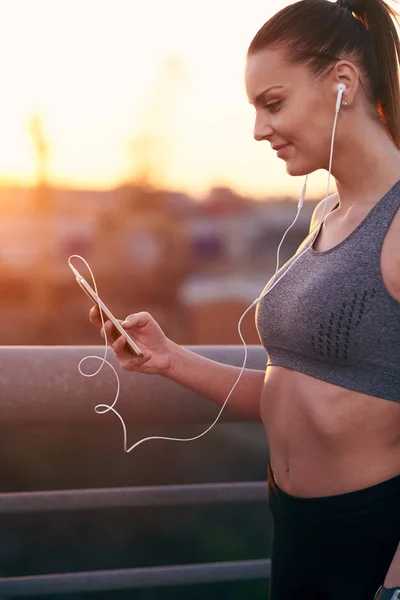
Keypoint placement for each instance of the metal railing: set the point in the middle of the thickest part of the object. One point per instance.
(42, 384)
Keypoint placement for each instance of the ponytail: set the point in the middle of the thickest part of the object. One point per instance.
(378, 18)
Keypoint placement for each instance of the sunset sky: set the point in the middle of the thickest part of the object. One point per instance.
(110, 78)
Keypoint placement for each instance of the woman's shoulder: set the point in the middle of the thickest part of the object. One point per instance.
(322, 208)
(390, 257)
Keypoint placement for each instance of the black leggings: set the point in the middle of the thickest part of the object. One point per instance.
(336, 547)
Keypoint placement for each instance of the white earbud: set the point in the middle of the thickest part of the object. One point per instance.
(341, 88)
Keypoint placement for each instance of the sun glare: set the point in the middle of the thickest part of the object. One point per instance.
(121, 86)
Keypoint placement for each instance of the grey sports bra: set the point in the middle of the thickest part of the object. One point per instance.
(332, 316)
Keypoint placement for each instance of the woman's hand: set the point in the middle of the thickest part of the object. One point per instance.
(148, 335)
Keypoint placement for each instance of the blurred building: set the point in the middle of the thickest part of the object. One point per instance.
(195, 266)
(141, 253)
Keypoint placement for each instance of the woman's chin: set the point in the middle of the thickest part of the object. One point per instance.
(296, 169)
(293, 169)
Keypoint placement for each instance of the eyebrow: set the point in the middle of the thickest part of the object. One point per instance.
(259, 97)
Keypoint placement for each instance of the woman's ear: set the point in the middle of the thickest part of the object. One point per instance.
(346, 72)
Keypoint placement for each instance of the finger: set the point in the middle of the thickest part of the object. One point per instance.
(121, 349)
(94, 316)
(136, 320)
(124, 352)
(128, 364)
(110, 332)
(107, 332)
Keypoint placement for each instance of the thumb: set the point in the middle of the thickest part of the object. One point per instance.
(136, 320)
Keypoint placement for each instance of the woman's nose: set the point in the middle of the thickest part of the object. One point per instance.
(262, 129)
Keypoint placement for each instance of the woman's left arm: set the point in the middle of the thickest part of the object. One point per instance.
(390, 590)
(392, 578)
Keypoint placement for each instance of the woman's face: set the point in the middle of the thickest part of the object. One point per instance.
(295, 110)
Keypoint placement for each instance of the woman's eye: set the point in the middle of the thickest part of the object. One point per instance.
(273, 106)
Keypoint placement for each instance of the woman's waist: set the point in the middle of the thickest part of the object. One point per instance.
(325, 439)
(307, 475)
(358, 506)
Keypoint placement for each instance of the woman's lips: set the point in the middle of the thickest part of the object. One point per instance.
(282, 150)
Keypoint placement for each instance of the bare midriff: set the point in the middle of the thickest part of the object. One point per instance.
(326, 440)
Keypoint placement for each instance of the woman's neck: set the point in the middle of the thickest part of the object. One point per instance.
(367, 167)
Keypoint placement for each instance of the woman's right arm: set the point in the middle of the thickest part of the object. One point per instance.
(215, 380)
(162, 356)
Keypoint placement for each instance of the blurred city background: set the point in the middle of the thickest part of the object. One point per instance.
(195, 265)
(126, 138)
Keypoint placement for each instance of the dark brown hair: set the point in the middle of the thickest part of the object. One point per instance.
(319, 32)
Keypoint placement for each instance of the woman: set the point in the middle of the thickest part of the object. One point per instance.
(330, 397)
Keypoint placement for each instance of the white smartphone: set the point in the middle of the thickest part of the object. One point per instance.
(89, 291)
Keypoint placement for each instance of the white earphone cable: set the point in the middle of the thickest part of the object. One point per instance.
(104, 408)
